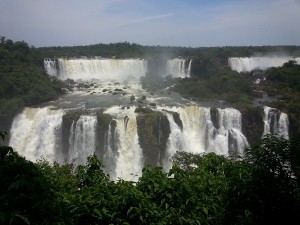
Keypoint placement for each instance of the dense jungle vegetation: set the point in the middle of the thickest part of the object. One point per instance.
(285, 83)
(262, 188)
(23, 80)
(128, 50)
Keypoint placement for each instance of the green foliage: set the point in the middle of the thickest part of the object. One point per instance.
(231, 87)
(23, 81)
(26, 196)
(274, 196)
(199, 189)
(285, 82)
(115, 50)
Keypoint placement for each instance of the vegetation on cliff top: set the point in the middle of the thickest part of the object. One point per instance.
(23, 80)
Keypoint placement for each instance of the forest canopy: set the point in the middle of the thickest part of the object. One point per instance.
(263, 188)
(23, 80)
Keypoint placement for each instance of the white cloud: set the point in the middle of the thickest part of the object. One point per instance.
(150, 18)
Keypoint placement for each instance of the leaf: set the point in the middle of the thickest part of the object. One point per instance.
(24, 219)
(169, 195)
(205, 210)
(166, 205)
(97, 211)
(129, 210)
(104, 210)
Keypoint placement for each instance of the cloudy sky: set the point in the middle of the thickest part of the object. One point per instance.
(192, 23)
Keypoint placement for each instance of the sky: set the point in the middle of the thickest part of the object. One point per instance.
(189, 23)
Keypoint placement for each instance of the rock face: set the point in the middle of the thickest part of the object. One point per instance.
(153, 131)
(68, 126)
(252, 124)
(214, 113)
(103, 125)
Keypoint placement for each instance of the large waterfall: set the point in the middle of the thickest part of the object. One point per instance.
(110, 69)
(248, 64)
(57, 136)
(97, 68)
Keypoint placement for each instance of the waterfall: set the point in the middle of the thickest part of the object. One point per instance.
(109, 157)
(275, 122)
(248, 64)
(189, 68)
(36, 133)
(179, 67)
(202, 133)
(174, 143)
(50, 67)
(128, 153)
(96, 68)
(82, 139)
(41, 132)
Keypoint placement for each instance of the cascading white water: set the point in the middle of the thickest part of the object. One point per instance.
(128, 156)
(50, 67)
(273, 124)
(109, 158)
(36, 133)
(189, 68)
(247, 64)
(174, 143)
(97, 68)
(179, 68)
(283, 126)
(82, 139)
(200, 135)
(229, 132)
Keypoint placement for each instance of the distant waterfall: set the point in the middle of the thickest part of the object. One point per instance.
(276, 122)
(179, 67)
(50, 67)
(248, 64)
(111, 69)
(96, 68)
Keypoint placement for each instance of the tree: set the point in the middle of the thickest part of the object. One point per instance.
(274, 195)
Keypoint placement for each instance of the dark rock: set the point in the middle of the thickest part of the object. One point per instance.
(132, 98)
(143, 110)
(153, 132)
(214, 115)
(252, 123)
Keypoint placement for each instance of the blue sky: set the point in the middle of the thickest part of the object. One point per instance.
(192, 23)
